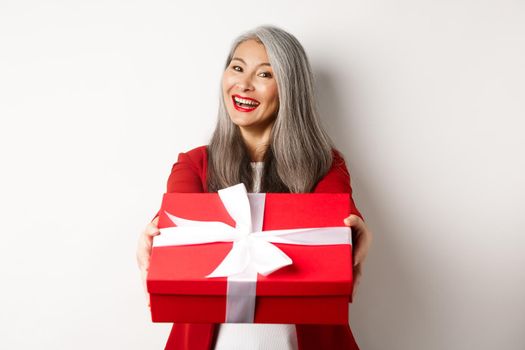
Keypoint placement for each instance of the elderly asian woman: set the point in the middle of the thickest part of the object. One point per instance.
(269, 137)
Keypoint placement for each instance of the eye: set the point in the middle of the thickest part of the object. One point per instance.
(238, 70)
(268, 74)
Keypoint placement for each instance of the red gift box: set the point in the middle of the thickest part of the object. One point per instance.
(315, 289)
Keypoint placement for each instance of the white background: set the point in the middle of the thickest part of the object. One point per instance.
(424, 98)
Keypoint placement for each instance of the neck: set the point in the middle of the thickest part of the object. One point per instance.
(256, 142)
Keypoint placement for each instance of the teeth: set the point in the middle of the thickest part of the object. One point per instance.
(246, 102)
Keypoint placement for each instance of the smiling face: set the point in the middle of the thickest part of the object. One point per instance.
(249, 88)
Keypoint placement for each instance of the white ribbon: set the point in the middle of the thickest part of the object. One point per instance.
(252, 251)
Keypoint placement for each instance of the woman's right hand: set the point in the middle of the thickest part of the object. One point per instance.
(144, 250)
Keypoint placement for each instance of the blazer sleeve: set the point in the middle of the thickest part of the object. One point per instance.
(184, 177)
(337, 180)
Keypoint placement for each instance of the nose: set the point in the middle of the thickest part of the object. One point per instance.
(244, 84)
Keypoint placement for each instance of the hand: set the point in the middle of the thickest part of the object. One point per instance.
(144, 250)
(361, 240)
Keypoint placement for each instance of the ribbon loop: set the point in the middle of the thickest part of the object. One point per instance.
(235, 262)
(235, 200)
(266, 257)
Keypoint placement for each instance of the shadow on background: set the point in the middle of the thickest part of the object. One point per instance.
(387, 300)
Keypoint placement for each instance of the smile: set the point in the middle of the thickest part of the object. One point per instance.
(244, 104)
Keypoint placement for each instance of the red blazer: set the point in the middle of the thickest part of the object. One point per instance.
(188, 174)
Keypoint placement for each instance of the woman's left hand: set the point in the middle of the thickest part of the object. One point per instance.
(361, 240)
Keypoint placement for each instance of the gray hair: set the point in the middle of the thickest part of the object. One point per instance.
(300, 151)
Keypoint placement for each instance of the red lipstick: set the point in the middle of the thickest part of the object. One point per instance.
(244, 108)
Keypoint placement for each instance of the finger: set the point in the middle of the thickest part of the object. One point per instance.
(151, 230)
(357, 272)
(143, 261)
(143, 252)
(357, 225)
(352, 220)
(362, 246)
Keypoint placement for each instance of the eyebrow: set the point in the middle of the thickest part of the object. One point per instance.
(240, 59)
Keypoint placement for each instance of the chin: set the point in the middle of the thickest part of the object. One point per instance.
(241, 120)
(240, 123)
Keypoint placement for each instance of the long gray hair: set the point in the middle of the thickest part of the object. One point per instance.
(300, 151)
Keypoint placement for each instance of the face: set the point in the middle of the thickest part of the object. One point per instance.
(249, 88)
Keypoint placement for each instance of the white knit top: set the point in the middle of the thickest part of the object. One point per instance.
(248, 336)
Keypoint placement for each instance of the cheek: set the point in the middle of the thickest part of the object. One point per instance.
(270, 94)
(227, 83)
(275, 97)
(224, 87)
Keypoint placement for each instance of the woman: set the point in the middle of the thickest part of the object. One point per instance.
(269, 137)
